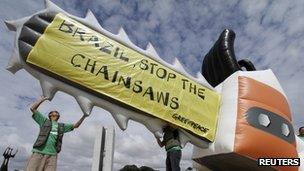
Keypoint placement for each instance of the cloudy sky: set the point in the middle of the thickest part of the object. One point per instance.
(269, 33)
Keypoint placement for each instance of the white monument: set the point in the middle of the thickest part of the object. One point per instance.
(103, 149)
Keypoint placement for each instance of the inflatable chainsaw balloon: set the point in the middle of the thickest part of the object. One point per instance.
(238, 116)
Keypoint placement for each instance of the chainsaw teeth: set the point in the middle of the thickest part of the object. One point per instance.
(14, 64)
(180, 68)
(151, 50)
(48, 89)
(158, 134)
(124, 37)
(155, 125)
(50, 6)
(85, 104)
(90, 17)
(121, 120)
(11, 25)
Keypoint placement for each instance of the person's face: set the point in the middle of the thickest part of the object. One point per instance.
(54, 116)
(301, 132)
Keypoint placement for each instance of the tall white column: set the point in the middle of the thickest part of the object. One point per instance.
(103, 149)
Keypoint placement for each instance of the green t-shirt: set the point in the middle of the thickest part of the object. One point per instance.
(175, 148)
(49, 147)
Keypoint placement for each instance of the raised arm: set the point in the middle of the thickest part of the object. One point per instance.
(37, 103)
(77, 124)
(160, 143)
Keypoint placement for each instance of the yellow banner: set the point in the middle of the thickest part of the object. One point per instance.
(88, 58)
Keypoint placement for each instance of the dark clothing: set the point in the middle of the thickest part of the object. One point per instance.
(173, 160)
(173, 148)
(44, 132)
(171, 138)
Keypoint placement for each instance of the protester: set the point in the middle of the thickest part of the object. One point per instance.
(49, 141)
(173, 147)
(301, 133)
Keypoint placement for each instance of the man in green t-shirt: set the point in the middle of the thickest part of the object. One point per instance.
(49, 141)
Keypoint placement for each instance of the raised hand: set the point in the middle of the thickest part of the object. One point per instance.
(37, 103)
(43, 98)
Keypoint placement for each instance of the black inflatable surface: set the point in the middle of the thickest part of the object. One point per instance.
(220, 62)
